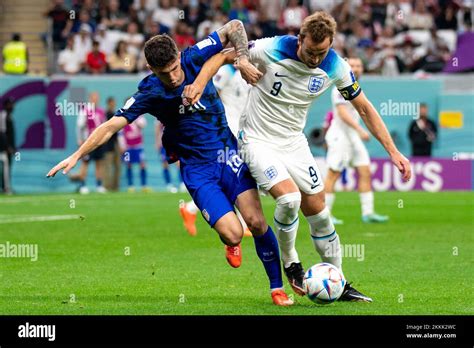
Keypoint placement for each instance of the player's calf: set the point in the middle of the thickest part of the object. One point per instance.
(286, 225)
(325, 238)
(231, 233)
(256, 223)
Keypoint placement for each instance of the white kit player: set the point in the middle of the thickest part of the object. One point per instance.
(344, 139)
(296, 70)
(234, 92)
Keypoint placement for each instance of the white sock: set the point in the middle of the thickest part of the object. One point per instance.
(241, 219)
(330, 198)
(286, 226)
(286, 239)
(367, 202)
(325, 239)
(192, 207)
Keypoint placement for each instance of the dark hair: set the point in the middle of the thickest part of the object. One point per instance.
(117, 48)
(318, 27)
(423, 105)
(160, 51)
(8, 102)
(16, 37)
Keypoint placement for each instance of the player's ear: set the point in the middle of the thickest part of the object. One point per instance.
(300, 42)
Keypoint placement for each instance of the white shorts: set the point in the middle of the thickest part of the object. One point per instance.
(270, 164)
(342, 153)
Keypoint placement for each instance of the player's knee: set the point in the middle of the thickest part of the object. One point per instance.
(287, 207)
(364, 172)
(233, 239)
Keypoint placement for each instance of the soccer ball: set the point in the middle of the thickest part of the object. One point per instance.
(323, 283)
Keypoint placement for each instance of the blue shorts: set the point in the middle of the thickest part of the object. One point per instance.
(215, 186)
(162, 154)
(95, 155)
(133, 156)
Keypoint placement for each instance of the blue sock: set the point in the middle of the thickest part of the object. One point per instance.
(129, 175)
(166, 173)
(99, 182)
(344, 177)
(82, 183)
(267, 251)
(143, 176)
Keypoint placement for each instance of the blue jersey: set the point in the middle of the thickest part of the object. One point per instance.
(194, 134)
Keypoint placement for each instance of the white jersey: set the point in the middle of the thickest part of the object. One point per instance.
(234, 92)
(277, 108)
(338, 126)
(345, 147)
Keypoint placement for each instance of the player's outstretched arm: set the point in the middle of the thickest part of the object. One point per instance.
(377, 127)
(98, 137)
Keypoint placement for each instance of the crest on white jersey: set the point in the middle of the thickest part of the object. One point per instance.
(271, 173)
(315, 84)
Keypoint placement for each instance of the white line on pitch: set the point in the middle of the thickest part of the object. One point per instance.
(39, 218)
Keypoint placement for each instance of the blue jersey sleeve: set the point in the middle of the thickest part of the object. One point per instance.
(138, 104)
(205, 49)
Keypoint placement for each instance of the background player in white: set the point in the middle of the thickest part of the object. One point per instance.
(88, 119)
(345, 148)
(234, 92)
(296, 71)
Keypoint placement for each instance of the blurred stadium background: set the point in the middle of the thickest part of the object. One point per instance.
(413, 52)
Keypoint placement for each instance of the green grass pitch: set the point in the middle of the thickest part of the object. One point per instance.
(131, 255)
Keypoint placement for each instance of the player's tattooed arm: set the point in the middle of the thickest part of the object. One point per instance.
(98, 137)
(233, 32)
(377, 127)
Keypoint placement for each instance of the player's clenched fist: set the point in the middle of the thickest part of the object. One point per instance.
(403, 165)
(249, 72)
(191, 94)
(67, 164)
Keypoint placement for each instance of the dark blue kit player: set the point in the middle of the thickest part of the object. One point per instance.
(198, 136)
